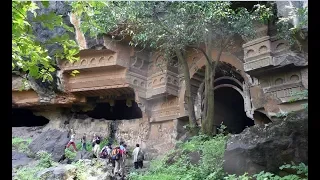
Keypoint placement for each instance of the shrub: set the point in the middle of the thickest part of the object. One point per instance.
(27, 173)
(21, 144)
(45, 159)
(69, 154)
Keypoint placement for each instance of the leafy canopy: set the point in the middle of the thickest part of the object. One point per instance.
(28, 54)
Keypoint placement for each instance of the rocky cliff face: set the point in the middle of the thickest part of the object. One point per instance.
(44, 89)
(267, 147)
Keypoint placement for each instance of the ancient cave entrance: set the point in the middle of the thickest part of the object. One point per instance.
(120, 111)
(26, 118)
(229, 103)
(229, 109)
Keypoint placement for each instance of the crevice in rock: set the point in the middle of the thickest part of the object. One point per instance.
(26, 118)
(260, 118)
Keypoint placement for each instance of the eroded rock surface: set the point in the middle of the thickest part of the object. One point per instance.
(19, 159)
(267, 147)
(53, 141)
(61, 172)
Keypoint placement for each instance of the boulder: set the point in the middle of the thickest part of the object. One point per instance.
(105, 176)
(61, 172)
(267, 147)
(53, 141)
(83, 155)
(20, 159)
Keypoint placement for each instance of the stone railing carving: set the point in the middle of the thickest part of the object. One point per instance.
(93, 59)
(259, 63)
(284, 92)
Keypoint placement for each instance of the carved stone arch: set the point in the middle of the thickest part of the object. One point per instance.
(228, 58)
(229, 78)
(230, 86)
(83, 62)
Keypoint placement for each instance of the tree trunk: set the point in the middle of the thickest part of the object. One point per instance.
(208, 123)
(192, 116)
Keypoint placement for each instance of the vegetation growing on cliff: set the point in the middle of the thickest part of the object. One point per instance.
(31, 56)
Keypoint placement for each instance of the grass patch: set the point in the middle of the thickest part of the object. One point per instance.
(21, 144)
(29, 173)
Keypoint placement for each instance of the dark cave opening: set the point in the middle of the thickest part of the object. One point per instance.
(26, 118)
(260, 118)
(120, 111)
(229, 109)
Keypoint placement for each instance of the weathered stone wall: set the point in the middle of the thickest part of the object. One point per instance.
(156, 138)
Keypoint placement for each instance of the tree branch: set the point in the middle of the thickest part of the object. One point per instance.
(223, 45)
(204, 53)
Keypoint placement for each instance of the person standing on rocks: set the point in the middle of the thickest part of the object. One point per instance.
(84, 142)
(123, 152)
(72, 141)
(95, 138)
(138, 157)
(96, 149)
(116, 157)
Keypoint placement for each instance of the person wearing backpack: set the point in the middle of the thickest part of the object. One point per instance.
(116, 157)
(138, 157)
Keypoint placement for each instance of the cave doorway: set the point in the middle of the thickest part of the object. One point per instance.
(120, 111)
(229, 109)
(26, 118)
(260, 118)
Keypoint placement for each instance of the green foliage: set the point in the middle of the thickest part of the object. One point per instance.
(45, 159)
(287, 29)
(209, 166)
(27, 173)
(30, 55)
(80, 170)
(104, 142)
(281, 114)
(21, 144)
(301, 168)
(69, 154)
(302, 174)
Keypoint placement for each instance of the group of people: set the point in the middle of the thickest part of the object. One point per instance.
(115, 157)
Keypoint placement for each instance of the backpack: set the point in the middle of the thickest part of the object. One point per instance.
(115, 154)
(140, 156)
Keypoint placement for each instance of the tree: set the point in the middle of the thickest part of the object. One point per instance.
(217, 24)
(172, 27)
(30, 56)
(150, 24)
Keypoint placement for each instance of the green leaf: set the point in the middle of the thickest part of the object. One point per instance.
(45, 3)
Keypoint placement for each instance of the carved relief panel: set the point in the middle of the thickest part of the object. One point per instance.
(282, 85)
(257, 54)
(164, 109)
(91, 59)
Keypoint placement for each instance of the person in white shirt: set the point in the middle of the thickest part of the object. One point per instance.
(96, 149)
(72, 141)
(138, 157)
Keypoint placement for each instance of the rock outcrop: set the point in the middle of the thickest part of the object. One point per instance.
(19, 159)
(53, 141)
(61, 172)
(267, 147)
(83, 155)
